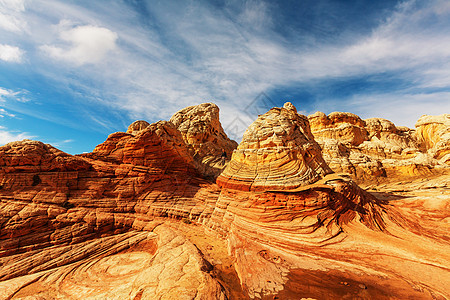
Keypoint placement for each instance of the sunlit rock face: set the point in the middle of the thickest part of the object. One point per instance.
(433, 135)
(346, 127)
(35, 156)
(277, 152)
(157, 145)
(85, 226)
(202, 132)
(373, 149)
(137, 126)
(262, 228)
(279, 194)
(139, 219)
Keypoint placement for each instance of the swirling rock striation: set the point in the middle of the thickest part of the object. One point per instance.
(277, 151)
(67, 220)
(34, 156)
(279, 194)
(137, 219)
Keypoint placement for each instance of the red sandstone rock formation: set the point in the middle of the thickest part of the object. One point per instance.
(136, 219)
(33, 156)
(159, 145)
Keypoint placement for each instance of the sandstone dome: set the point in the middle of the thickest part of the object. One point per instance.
(137, 126)
(277, 152)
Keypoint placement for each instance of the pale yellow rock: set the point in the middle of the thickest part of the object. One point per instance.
(433, 134)
(376, 148)
(290, 106)
(202, 132)
(277, 151)
(345, 127)
(137, 126)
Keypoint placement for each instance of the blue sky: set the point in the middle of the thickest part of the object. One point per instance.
(72, 72)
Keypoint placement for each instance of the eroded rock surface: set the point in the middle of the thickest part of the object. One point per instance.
(158, 145)
(35, 156)
(136, 218)
(137, 126)
(433, 134)
(277, 151)
(208, 143)
(160, 264)
(375, 148)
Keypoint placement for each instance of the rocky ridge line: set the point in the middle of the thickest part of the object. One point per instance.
(98, 216)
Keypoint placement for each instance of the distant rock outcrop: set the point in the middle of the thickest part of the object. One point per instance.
(29, 167)
(35, 156)
(375, 148)
(159, 145)
(433, 135)
(345, 127)
(137, 126)
(207, 141)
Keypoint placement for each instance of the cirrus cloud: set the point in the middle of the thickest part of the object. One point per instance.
(7, 136)
(112, 64)
(4, 112)
(11, 18)
(20, 95)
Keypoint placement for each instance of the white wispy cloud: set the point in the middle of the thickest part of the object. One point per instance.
(62, 143)
(5, 92)
(11, 53)
(236, 63)
(404, 41)
(4, 112)
(7, 136)
(189, 53)
(8, 94)
(11, 15)
(86, 44)
(12, 5)
(255, 14)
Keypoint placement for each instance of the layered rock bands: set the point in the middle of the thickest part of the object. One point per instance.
(144, 217)
(375, 148)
